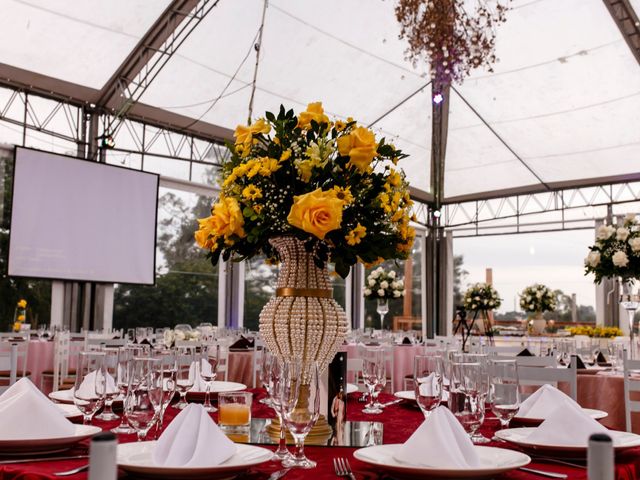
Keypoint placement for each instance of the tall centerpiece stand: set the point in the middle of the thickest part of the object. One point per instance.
(479, 299)
(616, 254)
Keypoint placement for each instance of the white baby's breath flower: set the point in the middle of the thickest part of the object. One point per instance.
(593, 259)
(620, 259)
(622, 234)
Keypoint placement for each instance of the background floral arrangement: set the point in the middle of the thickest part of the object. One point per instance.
(382, 284)
(20, 315)
(329, 183)
(538, 298)
(597, 332)
(481, 297)
(173, 336)
(616, 252)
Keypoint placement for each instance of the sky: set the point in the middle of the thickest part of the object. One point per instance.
(554, 259)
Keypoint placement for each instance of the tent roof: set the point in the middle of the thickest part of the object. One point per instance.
(562, 106)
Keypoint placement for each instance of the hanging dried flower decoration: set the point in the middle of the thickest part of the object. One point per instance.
(449, 39)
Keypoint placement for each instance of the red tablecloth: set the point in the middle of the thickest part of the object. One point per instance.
(399, 422)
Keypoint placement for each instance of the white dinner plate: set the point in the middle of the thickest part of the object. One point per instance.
(137, 458)
(69, 411)
(220, 387)
(351, 388)
(62, 396)
(518, 436)
(493, 462)
(411, 395)
(534, 422)
(46, 445)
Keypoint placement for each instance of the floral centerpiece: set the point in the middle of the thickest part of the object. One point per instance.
(481, 297)
(616, 254)
(307, 190)
(173, 336)
(20, 315)
(382, 284)
(537, 299)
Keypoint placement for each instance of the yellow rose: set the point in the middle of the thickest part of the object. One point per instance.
(22, 303)
(21, 318)
(361, 146)
(314, 112)
(16, 327)
(204, 233)
(227, 218)
(316, 212)
(244, 133)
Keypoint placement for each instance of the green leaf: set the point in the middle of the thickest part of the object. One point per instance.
(270, 116)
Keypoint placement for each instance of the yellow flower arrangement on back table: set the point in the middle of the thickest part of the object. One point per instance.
(331, 184)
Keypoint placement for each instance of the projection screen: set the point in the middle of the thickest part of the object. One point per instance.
(74, 219)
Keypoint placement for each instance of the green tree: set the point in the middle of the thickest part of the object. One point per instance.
(459, 274)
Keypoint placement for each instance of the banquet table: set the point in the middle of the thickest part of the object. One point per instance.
(399, 422)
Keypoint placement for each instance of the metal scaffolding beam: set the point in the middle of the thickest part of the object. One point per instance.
(627, 21)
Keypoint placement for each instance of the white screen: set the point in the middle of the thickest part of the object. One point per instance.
(74, 219)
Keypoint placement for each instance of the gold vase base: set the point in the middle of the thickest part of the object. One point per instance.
(319, 434)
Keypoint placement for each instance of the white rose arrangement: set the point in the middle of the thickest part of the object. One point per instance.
(538, 298)
(481, 296)
(381, 284)
(173, 336)
(616, 252)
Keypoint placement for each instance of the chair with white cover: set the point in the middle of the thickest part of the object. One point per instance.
(533, 375)
(631, 385)
(507, 350)
(98, 343)
(8, 364)
(354, 367)
(22, 358)
(60, 371)
(223, 363)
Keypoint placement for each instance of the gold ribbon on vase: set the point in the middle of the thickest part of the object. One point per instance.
(304, 292)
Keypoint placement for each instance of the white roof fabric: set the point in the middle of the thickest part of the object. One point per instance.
(565, 96)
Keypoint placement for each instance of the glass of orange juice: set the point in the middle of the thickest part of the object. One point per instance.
(234, 411)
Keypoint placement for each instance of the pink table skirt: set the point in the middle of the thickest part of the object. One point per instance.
(240, 368)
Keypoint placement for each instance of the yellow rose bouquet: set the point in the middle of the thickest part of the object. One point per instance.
(20, 315)
(332, 184)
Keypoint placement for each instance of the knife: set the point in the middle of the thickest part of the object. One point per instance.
(42, 459)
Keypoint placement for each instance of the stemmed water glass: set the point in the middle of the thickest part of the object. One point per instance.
(264, 374)
(504, 392)
(111, 386)
(125, 355)
(300, 403)
(185, 373)
(165, 375)
(427, 382)
(275, 388)
(89, 389)
(373, 370)
(143, 395)
(467, 400)
(42, 328)
(208, 368)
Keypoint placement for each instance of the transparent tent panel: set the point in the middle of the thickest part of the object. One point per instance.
(80, 41)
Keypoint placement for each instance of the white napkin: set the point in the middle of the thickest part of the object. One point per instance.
(25, 413)
(199, 385)
(566, 425)
(87, 388)
(544, 401)
(193, 439)
(439, 442)
(428, 386)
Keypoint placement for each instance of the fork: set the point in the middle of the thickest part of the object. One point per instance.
(71, 472)
(342, 468)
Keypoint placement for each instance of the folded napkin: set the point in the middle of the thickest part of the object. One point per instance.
(25, 413)
(601, 360)
(439, 442)
(193, 439)
(242, 343)
(428, 386)
(566, 425)
(580, 363)
(199, 385)
(406, 341)
(525, 353)
(543, 402)
(87, 388)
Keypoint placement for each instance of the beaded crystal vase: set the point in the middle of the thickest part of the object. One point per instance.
(302, 321)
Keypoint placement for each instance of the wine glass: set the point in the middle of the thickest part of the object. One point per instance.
(275, 380)
(469, 398)
(143, 395)
(185, 373)
(373, 370)
(208, 367)
(41, 329)
(504, 394)
(125, 354)
(141, 334)
(427, 382)
(300, 403)
(111, 387)
(264, 373)
(165, 375)
(89, 389)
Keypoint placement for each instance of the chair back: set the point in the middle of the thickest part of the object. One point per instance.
(354, 367)
(61, 352)
(507, 350)
(8, 363)
(98, 343)
(631, 385)
(257, 359)
(223, 362)
(536, 375)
